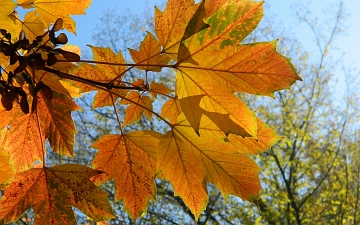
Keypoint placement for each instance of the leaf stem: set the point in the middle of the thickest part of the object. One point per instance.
(41, 138)
(116, 113)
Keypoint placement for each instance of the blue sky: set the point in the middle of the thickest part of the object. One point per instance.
(282, 10)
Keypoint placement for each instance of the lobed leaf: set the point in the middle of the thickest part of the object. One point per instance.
(149, 53)
(189, 160)
(51, 192)
(203, 96)
(170, 25)
(102, 73)
(56, 118)
(50, 10)
(138, 104)
(6, 8)
(157, 88)
(216, 54)
(25, 143)
(171, 110)
(130, 160)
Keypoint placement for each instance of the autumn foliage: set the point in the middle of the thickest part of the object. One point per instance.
(211, 132)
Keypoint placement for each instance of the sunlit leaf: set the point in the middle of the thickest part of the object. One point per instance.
(56, 118)
(149, 53)
(170, 25)
(51, 192)
(130, 160)
(189, 160)
(49, 11)
(138, 105)
(25, 143)
(6, 8)
(102, 73)
(159, 89)
(171, 110)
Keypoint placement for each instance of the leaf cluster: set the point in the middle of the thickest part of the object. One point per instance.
(211, 132)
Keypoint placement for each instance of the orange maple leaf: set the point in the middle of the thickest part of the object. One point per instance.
(170, 25)
(51, 120)
(157, 88)
(56, 118)
(130, 159)
(5, 168)
(25, 143)
(51, 192)
(137, 105)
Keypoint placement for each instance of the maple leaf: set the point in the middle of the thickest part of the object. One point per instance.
(137, 106)
(253, 68)
(25, 143)
(51, 120)
(50, 10)
(219, 104)
(211, 65)
(130, 160)
(102, 73)
(32, 25)
(189, 160)
(170, 25)
(5, 168)
(51, 192)
(171, 110)
(56, 118)
(6, 8)
(149, 53)
(159, 89)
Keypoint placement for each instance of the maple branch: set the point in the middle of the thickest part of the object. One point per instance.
(108, 86)
(103, 86)
(131, 65)
(288, 188)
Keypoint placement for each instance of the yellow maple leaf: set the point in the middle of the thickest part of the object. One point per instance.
(149, 53)
(203, 96)
(50, 10)
(6, 8)
(253, 68)
(31, 25)
(171, 110)
(189, 160)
